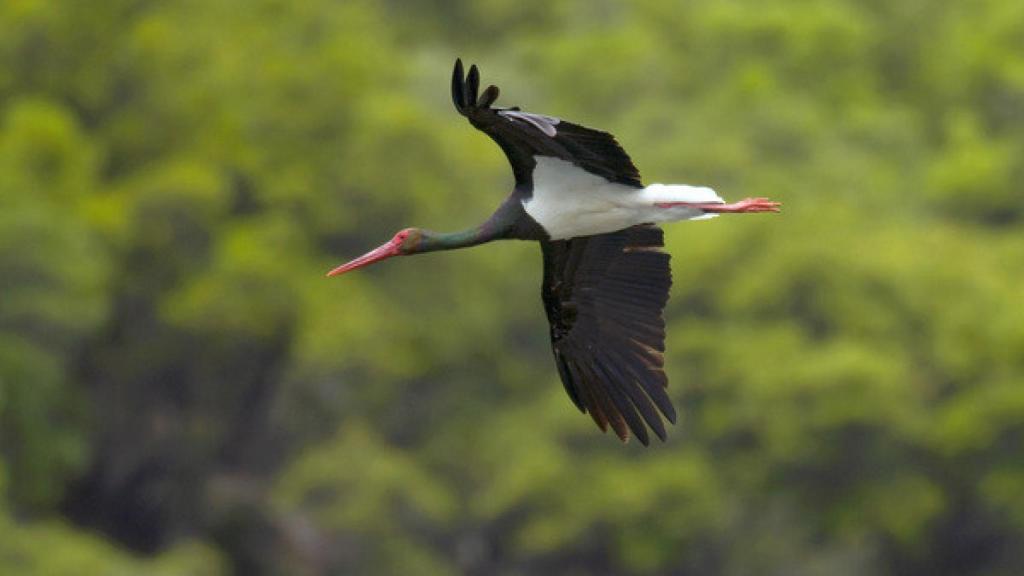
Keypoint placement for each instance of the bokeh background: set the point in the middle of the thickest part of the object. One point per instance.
(182, 392)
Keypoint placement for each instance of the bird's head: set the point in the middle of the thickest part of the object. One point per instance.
(407, 241)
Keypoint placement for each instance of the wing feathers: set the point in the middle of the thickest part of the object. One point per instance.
(609, 409)
(592, 400)
(524, 136)
(616, 389)
(637, 396)
(472, 86)
(604, 297)
(569, 381)
(652, 382)
(458, 96)
(488, 97)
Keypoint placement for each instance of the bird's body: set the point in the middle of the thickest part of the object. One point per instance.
(569, 202)
(606, 279)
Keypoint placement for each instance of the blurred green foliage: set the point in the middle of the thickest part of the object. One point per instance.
(182, 392)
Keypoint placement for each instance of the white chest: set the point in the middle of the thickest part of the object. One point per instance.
(569, 201)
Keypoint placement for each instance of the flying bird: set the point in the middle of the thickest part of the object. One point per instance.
(606, 278)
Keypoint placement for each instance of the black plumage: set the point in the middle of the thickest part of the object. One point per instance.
(603, 294)
(595, 151)
(606, 278)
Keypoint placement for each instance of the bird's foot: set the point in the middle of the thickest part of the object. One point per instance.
(748, 205)
(743, 206)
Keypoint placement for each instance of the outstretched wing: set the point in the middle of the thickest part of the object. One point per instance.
(523, 135)
(604, 297)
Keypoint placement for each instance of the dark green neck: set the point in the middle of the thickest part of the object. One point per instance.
(434, 241)
(502, 224)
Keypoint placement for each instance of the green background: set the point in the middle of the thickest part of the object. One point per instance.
(182, 392)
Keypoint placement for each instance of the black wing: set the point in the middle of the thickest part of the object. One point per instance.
(604, 297)
(523, 135)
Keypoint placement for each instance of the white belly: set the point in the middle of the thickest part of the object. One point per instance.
(568, 201)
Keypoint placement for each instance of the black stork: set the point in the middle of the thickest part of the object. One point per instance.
(606, 278)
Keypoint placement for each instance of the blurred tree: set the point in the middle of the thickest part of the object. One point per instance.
(177, 378)
(54, 285)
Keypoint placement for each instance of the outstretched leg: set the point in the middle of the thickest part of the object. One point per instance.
(747, 205)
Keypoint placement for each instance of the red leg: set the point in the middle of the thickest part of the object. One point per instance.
(747, 205)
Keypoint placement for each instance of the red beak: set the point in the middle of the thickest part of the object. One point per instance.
(383, 252)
